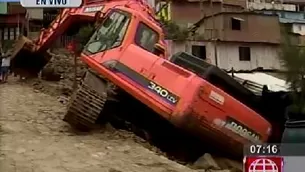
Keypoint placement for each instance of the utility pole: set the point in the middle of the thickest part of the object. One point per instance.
(75, 71)
(27, 23)
(18, 26)
(213, 35)
(201, 9)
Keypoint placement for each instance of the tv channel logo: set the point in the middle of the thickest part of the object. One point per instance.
(263, 164)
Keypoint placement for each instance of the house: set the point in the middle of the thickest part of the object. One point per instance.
(293, 19)
(187, 12)
(12, 18)
(239, 40)
(16, 20)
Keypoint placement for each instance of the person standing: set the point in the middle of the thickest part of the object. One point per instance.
(5, 65)
(1, 56)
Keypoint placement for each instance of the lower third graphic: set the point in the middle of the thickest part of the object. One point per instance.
(263, 164)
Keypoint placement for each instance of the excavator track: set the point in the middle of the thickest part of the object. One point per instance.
(84, 108)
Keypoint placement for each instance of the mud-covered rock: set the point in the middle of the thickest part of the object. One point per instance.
(49, 74)
(58, 76)
(233, 165)
(206, 162)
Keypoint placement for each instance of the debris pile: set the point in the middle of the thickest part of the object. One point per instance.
(209, 163)
(61, 68)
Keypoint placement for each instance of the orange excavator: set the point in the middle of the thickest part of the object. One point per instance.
(127, 54)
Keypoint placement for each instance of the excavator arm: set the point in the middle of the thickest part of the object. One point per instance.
(30, 56)
(73, 17)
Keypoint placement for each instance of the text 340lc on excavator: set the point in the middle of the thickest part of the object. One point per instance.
(127, 63)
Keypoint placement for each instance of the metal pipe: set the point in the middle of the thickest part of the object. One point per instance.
(214, 39)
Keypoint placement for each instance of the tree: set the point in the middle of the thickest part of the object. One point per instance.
(82, 37)
(173, 31)
(292, 57)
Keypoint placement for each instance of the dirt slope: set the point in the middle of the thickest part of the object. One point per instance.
(35, 139)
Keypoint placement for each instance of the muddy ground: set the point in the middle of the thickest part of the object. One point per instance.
(35, 139)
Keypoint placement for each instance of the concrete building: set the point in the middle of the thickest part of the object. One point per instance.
(245, 41)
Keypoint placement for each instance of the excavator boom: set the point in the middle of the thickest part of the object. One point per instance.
(29, 56)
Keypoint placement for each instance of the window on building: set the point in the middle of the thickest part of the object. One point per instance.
(146, 37)
(199, 51)
(17, 32)
(301, 8)
(244, 54)
(12, 33)
(5, 34)
(236, 23)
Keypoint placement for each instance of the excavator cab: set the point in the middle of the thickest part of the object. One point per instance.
(124, 33)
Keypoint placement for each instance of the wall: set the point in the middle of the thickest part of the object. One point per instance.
(35, 13)
(192, 13)
(298, 28)
(288, 17)
(297, 19)
(254, 28)
(262, 55)
(3, 7)
(15, 8)
(265, 56)
(267, 6)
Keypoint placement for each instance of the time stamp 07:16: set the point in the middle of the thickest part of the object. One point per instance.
(262, 149)
(275, 149)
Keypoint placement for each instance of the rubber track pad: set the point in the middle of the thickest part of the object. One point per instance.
(84, 108)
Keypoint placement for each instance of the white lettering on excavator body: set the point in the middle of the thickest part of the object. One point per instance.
(242, 131)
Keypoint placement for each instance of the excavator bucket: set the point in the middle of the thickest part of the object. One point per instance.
(25, 61)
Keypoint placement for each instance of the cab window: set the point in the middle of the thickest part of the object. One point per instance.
(110, 34)
(146, 37)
